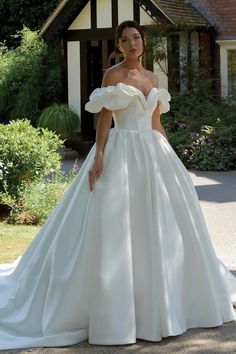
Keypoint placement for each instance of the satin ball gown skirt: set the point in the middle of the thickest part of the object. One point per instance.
(132, 259)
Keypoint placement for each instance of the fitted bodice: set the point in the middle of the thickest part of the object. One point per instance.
(130, 108)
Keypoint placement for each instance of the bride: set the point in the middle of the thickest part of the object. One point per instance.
(126, 253)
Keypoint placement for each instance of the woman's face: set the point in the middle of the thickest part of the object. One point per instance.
(130, 43)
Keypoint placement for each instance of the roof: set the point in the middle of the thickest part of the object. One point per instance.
(61, 18)
(176, 12)
(53, 15)
(181, 12)
(220, 15)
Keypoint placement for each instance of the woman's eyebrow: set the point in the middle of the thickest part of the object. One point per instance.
(134, 34)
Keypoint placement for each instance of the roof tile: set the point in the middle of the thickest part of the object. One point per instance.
(181, 12)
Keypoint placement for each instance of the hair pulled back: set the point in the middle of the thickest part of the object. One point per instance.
(129, 24)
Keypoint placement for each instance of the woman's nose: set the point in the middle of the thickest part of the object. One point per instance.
(131, 42)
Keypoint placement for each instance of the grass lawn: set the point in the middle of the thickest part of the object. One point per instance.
(14, 239)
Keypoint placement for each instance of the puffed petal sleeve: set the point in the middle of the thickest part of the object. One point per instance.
(163, 97)
(110, 97)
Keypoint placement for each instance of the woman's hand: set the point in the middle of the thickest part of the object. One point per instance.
(95, 172)
(103, 127)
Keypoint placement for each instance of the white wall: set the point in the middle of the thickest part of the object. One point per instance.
(83, 20)
(145, 19)
(74, 84)
(104, 14)
(125, 10)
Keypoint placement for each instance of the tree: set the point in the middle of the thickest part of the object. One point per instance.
(30, 77)
(14, 14)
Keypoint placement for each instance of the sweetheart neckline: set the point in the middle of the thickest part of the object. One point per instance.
(134, 87)
(140, 91)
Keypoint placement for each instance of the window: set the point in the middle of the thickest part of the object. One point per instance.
(228, 67)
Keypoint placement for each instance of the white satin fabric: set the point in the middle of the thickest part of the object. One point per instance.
(132, 259)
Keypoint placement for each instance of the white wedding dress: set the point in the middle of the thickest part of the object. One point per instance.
(132, 259)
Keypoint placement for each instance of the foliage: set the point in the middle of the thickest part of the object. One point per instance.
(15, 14)
(26, 153)
(202, 130)
(208, 152)
(30, 78)
(60, 119)
(200, 127)
(157, 41)
(175, 61)
(39, 198)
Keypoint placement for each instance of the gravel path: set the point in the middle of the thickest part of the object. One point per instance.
(217, 195)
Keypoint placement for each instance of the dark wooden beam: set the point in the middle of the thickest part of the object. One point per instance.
(189, 74)
(136, 8)
(65, 17)
(214, 74)
(92, 35)
(104, 56)
(149, 8)
(64, 68)
(173, 63)
(114, 5)
(84, 84)
(93, 14)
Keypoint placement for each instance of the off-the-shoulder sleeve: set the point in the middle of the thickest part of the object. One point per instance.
(110, 97)
(163, 97)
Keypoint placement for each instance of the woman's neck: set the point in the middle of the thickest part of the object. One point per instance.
(132, 64)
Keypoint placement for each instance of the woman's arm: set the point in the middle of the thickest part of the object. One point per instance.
(156, 117)
(103, 127)
(156, 122)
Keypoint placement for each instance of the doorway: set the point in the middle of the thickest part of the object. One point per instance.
(92, 71)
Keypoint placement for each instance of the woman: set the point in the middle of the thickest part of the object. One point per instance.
(125, 254)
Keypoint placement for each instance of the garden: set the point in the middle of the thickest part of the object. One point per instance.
(34, 122)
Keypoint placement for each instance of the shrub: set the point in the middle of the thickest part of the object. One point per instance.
(30, 77)
(39, 198)
(200, 127)
(26, 153)
(202, 130)
(60, 119)
(207, 152)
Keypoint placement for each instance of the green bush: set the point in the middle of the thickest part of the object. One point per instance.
(26, 153)
(208, 152)
(30, 78)
(60, 119)
(39, 198)
(200, 127)
(202, 130)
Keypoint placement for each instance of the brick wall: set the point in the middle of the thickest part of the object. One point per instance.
(221, 14)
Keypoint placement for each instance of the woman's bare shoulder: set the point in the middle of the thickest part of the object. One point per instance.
(153, 77)
(113, 75)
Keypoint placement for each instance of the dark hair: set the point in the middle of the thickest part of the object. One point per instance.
(129, 24)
